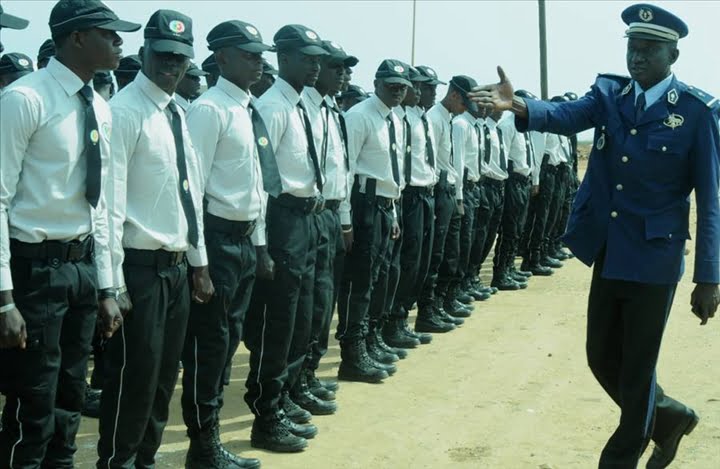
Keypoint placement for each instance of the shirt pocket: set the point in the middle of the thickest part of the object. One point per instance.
(670, 225)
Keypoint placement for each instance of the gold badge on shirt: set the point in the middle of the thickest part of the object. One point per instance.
(674, 120)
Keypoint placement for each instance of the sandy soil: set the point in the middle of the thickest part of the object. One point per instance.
(510, 389)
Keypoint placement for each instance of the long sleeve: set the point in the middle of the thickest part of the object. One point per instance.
(538, 140)
(458, 135)
(197, 257)
(560, 118)
(205, 128)
(259, 236)
(15, 134)
(356, 131)
(102, 232)
(275, 121)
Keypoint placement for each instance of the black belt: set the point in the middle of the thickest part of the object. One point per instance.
(307, 205)
(54, 252)
(159, 258)
(231, 227)
(520, 177)
(383, 202)
(549, 167)
(429, 191)
(332, 205)
(493, 182)
(470, 185)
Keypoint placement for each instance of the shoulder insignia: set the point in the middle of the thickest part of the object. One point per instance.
(707, 99)
(627, 89)
(673, 96)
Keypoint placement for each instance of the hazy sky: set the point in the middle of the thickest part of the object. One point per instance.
(454, 37)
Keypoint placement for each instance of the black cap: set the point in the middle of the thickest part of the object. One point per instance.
(393, 71)
(210, 65)
(194, 71)
(559, 99)
(653, 23)
(236, 33)
(76, 15)
(430, 73)
(337, 53)
(11, 21)
(571, 96)
(463, 84)
(268, 68)
(354, 91)
(15, 62)
(129, 65)
(525, 94)
(300, 38)
(102, 78)
(47, 50)
(416, 76)
(170, 31)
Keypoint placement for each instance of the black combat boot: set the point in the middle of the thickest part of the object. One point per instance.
(301, 395)
(271, 433)
(316, 387)
(394, 337)
(423, 337)
(235, 460)
(400, 352)
(428, 321)
(293, 411)
(355, 364)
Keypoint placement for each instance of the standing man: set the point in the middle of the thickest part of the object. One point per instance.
(56, 275)
(557, 158)
(375, 160)
(127, 71)
(352, 96)
(266, 80)
(656, 141)
(278, 334)
(428, 89)
(210, 67)
(103, 85)
(223, 131)
(153, 160)
(9, 21)
(14, 66)
(47, 50)
(189, 88)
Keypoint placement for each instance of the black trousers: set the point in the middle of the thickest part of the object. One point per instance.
(539, 212)
(330, 249)
(372, 225)
(44, 384)
(557, 204)
(418, 230)
(142, 364)
(383, 294)
(626, 321)
(571, 188)
(449, 268)
(468, 230)
(482, 218)
(207, 350)
(444, 210)
(517, 195)
(495, 194)
(277, 330)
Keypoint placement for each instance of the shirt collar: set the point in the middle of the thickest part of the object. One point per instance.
(490, 122)
(312, 96)
(234, 91)
(380, 106)
(444, 111)
(655, 92)
(469, 117)
(182, 102)
(401, 112)
(287, 91)
(331, 102)
(158, 97)
(67, 79)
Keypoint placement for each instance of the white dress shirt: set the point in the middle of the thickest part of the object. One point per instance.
(440, 120)
(220, 125)
(147, 210)
(494, 170)
(422, 174)
(278, 107)
(43, 167)
(465, 143)
(554, 150)
(515, 145)
(538, 145)
(369, 146)
(182, 102)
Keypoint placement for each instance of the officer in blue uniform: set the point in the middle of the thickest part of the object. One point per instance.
(656, 140)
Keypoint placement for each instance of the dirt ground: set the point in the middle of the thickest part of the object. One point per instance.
(510, 390)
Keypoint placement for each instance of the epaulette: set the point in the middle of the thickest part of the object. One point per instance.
(614, 76)
(707, 99)
(624, 82)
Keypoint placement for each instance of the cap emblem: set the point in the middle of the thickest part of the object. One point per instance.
(399, 68)
(431, 72)
(335, 45)
(177, 26)
(252, 30)
(23, 62)
(646, 15)
(311, 35)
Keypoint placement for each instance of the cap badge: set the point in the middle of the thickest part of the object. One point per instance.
(94, 136)
(263, 141)
(673, 96)
(23, 62)
(186, 185)
(335, 45)
(646, 15)
(177, 26)
(674, 120)
(431, 72)
(252, 30)
(311, 35)
(399, 68)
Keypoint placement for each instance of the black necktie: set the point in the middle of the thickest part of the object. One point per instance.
(326, 127)
(343, 129)
(639, 106)
(311, 146)
(480, 148)
(503, 161)
(92, 149)
(452, 149)
(529, 150)
(393, 150)
(487, 148)
(268, 165)
(185, 195)
(408, 151)
(429, 151)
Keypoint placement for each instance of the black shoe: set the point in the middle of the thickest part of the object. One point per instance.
(316, 388)
(302, 396)
(329, 385)
(376, 352)
(666, 449)
(456, 310)
(356, 364)
(560, 255)
(524, 273)
(293, 411)
(477, 294)
(518, 277)
(272, 434)
(428, 321)
(307, 431)
(423, 337)
(551, 262)
(463, 297)
(503, 283)
(388, 368)
(239, 461)
(400, 352)
(393, 336)
(206, 452)
(91, 406)
(537, 269)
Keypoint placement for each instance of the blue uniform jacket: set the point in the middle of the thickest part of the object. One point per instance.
(635, 197)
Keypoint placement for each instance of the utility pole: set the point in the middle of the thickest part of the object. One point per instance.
(543, 50)
(412, 52)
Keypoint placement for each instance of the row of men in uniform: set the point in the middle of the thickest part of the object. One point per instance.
(194, 222)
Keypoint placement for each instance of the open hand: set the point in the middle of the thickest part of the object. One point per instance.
(496, 97)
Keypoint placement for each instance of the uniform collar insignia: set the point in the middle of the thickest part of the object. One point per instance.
(674, 120)
(627, 89)
(673, 96)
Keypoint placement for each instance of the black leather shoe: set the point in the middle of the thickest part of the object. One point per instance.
(551, 262)
(307, 431)
(293, 411)
(503, 283)
(238, 461)
(518, 277)
(272, 434)
(356, 364)
(456, 309)
(376, 352)
(330, 385)
(443, 315)
(206, 452)
(665, 450)
(400, 352)
(307, 400)
(316, 387)
(423, 337)
(91, 406)
(429, 322)
(537, 269)
(477, 294)
(524, 273)
(463, 297)
(393, 336)
(560, 255)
